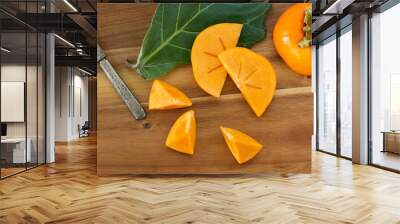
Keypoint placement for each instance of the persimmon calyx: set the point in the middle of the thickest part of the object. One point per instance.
(306, 40)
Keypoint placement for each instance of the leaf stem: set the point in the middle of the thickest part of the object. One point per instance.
(130, 64)
(306, 40)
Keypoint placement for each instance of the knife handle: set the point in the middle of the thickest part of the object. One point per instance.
(130, 100)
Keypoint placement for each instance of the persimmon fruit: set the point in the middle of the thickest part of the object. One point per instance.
(182, 135)
(292, 38)
(165, 96)
(242, 146)
(253, 75)
(208, 71)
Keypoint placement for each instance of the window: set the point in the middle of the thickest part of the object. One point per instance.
(22, 77)
(334, 73)
(385, 89)
(346, 92)
(327, 96)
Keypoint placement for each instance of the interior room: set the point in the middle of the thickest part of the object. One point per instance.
(334, 83)
(22, 103)
(385, 91)
(150, 112)
(29, 58)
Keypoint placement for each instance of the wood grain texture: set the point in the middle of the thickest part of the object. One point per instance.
(127, 146)
(284, 131)
(69, 191)
(121, 34)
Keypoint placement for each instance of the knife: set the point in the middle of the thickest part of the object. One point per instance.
(130, 100)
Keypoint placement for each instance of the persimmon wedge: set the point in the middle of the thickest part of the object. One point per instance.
(292, 38)
(242, 146)
(208, 71)
(165, 96)
(182, 135)
(253, 74)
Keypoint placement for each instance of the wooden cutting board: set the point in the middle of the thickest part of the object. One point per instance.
(127, 146)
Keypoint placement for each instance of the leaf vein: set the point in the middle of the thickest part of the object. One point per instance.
(254, 18)
(187, 31)
(177, 46)
(177, 16)
(162, 24)
(176, 33)
(160, 64)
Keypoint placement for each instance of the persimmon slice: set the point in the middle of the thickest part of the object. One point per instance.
(182, 135)
(165, 96)
(253, 74)
(242, 146)
(208, 71)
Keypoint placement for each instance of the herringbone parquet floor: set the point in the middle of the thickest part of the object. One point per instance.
(70, 192)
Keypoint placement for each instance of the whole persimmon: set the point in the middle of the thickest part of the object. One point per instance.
(292, 38)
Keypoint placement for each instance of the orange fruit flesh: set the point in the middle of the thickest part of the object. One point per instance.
(242, 146)
(253, 75)
(182, 135)
(165, 96)
(208, 71)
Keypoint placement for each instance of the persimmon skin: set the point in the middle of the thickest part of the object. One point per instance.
(288, 32)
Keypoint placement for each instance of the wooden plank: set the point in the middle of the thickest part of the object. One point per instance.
(121, 35)
(126, 146)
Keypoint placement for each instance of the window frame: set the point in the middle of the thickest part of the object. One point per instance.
(381, 9)
(30, 30)
(336, 38)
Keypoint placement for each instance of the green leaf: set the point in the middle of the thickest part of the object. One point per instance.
(174, 27)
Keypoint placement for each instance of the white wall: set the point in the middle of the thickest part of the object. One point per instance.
(12, 73)
(360, 101)
(50, 95)
(62, 80)
(33, 126)
(12, 101)
(71, 93)
(16, 73)
(80, 109)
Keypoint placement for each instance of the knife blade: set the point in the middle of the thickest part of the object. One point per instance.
(127, 96)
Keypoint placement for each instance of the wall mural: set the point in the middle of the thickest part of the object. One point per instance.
(205, 88)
